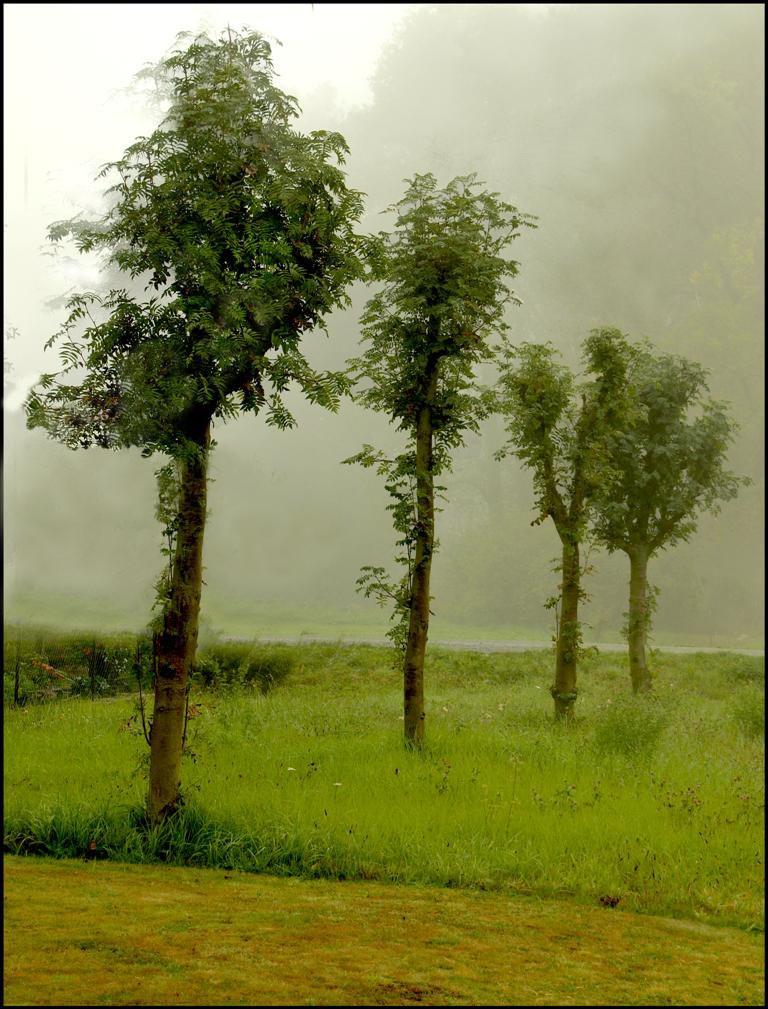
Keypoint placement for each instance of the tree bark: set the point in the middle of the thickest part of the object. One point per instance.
(92, 670)
(17, 673)
(638, 618)
(564, 689)
(418, 623)
(177, 642)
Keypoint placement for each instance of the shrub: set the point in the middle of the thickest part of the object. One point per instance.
(80, 686)
(749, 713)
(630, 727)
(744, 668)
(229, 666)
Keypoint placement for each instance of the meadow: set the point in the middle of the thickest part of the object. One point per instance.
(655, 803)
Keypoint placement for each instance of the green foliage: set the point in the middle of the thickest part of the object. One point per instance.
(167, 512)
(80, 686)
(427, 330)
(231, 666)
(630, 727)
(442, 302)
(668, 459)
(749, 712)
(400, 483)
(743, 669)
(560, 430)
(240, 228)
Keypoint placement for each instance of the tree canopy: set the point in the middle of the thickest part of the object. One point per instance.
(668, 463)
(241, 229)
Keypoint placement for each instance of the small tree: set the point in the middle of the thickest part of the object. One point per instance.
(558, 429)
(667, 465)
(241, 230)
(427, 330)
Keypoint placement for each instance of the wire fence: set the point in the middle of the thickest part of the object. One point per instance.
(40, 666)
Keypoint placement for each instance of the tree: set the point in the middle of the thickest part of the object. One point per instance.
(241, 230)
(427, 330)
(558, 430)
(701, 70)
(667, 464)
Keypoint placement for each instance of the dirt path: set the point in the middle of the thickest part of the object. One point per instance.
(109, 934)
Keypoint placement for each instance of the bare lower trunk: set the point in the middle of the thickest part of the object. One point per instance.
(17, 675)
(418, 625)
(177, 642)
(92, 670)
(564, 689)
(638, 619)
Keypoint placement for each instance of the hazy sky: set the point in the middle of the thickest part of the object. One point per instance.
(66, 113)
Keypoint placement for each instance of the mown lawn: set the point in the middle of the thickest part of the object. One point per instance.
(656, 801)
(105, 934)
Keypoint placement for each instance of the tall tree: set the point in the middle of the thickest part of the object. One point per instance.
(558, 429)
(241, 230)
(687, 71)
(667, 465)
(427, 330)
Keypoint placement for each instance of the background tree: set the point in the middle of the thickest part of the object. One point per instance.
(667, 465)
(427, 330)
(558, 429)
(241, 229)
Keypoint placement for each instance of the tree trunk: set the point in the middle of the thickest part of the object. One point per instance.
(418, 624)
(638, 618)
(564, 689)
(92, 670)
(177, 642)
(17, 673)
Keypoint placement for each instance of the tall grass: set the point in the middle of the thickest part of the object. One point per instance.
(657, 801)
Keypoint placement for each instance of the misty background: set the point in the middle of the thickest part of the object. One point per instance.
(634, 133)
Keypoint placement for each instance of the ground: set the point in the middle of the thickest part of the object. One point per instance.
(109, 934)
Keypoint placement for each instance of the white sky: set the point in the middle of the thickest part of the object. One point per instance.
(65, 65)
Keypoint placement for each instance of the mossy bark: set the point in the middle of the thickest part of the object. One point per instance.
(177, 641)
(638, 619)
(564, 689)
(418, 622)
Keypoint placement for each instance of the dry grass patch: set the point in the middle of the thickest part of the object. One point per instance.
(107, 934)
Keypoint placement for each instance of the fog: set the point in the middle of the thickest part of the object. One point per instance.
(633, 132)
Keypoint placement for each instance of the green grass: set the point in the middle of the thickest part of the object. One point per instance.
(658, 800)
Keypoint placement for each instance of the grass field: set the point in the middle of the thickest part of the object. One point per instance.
(104, 934)
(655, 801)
